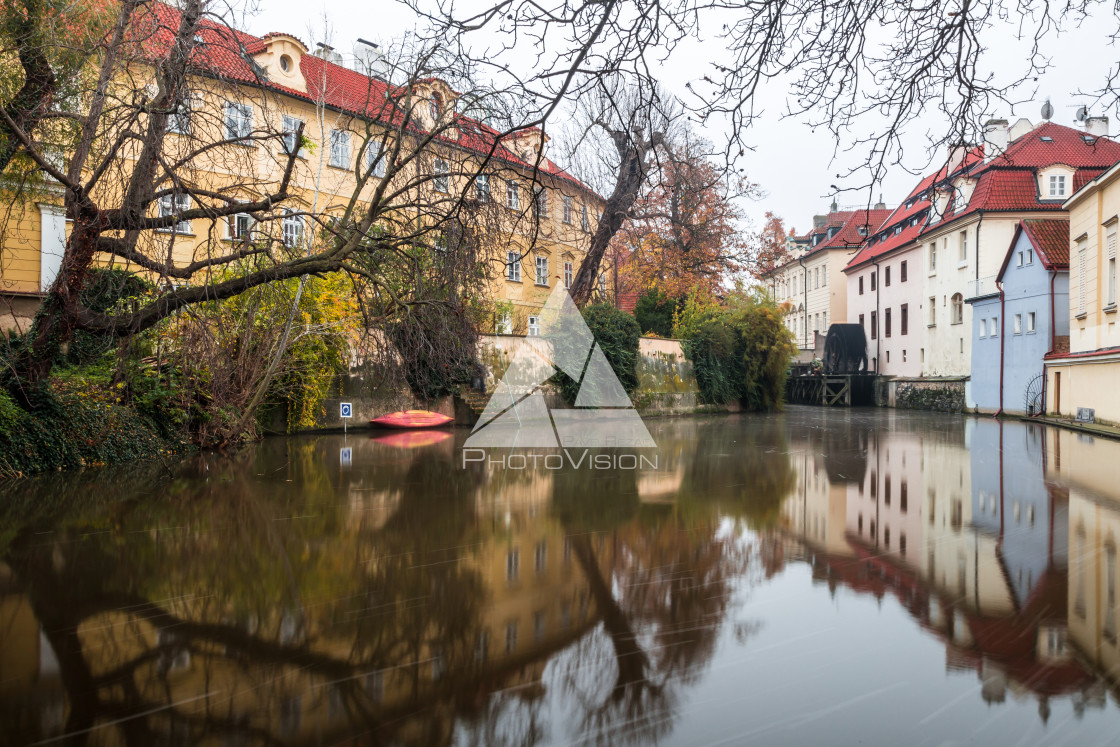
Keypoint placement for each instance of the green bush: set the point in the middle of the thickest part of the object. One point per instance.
(618, 336)
(739, 353)
(654, 312)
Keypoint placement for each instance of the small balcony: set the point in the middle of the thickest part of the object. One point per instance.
(981, 287)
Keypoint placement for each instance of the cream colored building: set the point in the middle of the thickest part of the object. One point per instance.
(1087, 375)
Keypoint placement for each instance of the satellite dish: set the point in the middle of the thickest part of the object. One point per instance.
(1047, 109)
(1082, 113)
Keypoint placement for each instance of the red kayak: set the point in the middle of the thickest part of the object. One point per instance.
(412, 439)
(412, 419)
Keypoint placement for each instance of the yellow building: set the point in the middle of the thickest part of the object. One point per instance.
(1086, 375)
(419, 148)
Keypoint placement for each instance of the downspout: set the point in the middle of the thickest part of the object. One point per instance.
(1002, 337)
(1053, 339)
(804, 301)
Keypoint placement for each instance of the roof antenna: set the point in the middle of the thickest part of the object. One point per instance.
(1047, 110)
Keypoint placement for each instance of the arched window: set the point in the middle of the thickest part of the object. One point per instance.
(958, 308)
(435, 107)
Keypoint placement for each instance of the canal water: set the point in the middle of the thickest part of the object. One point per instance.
(863, 577)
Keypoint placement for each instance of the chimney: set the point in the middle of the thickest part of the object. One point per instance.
(819, 221)
(995, 138)
(370, 60)
(956, 158)
(1097, 126)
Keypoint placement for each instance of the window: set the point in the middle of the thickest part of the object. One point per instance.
(824, 277)
(567, 214)
(1030, 322)
(542, 271)
(513, 564)
(375, 160)
(887, 323)
(179, 121)
(957, 308)
(964, 247)
(1080, 557)
(1018, 326)
(1058, 185)
(993, 328)
(511, 637)
(1081, 268)
(534, 326)
(983, 328)
(887, 276)
(874, 325)
(340, 149)
(540, 556)
(291, 126)
(540, 204)
(435, 108)
(568, 272)
(902, 272)
(933, 257)
(504, 325)
(239, 226)
(904, 318)
(872, 280)
(933, 311)
(602, 282)
(239, 121)
(1110, 251)
(584, 222)
(482, 188)
(861, 285)
(292, 229)
(441, 181)
(861, 320)
(513, 266)
(173, 205)
(513, 196)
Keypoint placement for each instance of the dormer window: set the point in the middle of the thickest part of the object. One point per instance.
(898, 229)
(832, 231)
(862, 230)
(1058, 185)
(435, 107)
(285, 63)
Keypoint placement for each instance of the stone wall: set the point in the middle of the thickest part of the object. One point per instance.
(940, 395)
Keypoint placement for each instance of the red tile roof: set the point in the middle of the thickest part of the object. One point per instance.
(848, 223)
(1009, 182)
(226, 53)
(1051, 239)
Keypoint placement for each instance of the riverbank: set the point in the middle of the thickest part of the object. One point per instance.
(77, 425)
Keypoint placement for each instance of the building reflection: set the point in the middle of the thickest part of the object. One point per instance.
(968, 531)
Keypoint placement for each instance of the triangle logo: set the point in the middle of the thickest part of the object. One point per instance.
(517, 414)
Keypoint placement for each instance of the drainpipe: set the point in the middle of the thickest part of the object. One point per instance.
(1053, 339)
(1002, 338)
(805, 300)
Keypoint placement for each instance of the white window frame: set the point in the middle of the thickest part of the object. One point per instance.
(1030, 322)
(482, 188)
(238, 120)
(540, 201)
(340, 149)
(1057, 185)
(994, 328)
(504, 324)
(566, 215)
(569, 274)
(291, 229)
(541, 265)
(513, 266)
(441, 176)
(1017, 325)
(513, 195)
(375, 160)
(933, 311)
(173, 205)
(534, 326)
(964, 247)
(1082, 261)
(932, 257)
(239, 226)
(179, 121)
(983, 328)
(290, 125)
(1110, 253)
(585, 222)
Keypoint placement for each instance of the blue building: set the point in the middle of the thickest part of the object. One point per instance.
(1023, 317)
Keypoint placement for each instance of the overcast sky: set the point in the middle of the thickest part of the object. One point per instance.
(793, 165)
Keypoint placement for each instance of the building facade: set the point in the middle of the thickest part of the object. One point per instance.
(1086, 375)
(1015, 328)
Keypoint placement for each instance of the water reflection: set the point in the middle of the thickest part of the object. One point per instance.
(321, 590)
